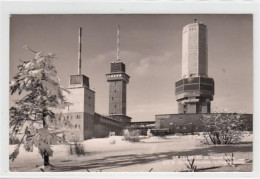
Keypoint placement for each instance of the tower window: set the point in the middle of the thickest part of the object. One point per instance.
(115, 91)
(112, 98)
(115, 106)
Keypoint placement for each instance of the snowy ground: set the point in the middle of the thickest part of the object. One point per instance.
(157, 154)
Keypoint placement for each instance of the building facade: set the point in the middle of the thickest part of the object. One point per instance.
(189, 123)
(118, 80)
(80, 114)
(104, 125)
(194, 50)
(195, 90)
(141, 127)
(79, 121)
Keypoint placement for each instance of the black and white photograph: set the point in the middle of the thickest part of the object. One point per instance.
(117, 89)
(131, 93)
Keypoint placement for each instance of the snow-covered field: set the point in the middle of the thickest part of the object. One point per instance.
(158, 154)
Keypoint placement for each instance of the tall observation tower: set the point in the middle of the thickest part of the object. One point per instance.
(118, 80)
(194, 92)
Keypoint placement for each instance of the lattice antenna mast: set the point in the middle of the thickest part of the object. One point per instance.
(118, 42)
(79, 51)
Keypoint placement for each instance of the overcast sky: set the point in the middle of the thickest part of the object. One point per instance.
(150, 46)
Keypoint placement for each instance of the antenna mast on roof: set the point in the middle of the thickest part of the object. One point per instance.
(118, 42)
(79, 51)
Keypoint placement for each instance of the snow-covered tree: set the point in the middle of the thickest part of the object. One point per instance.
(223, 128)
(40, 93)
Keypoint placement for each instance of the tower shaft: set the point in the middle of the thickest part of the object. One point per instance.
(195, 91)
(194, 50)
(118, 80)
